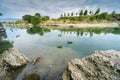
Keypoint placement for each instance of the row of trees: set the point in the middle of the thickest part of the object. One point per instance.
(89, 16)
(35, 19)
(81, 13)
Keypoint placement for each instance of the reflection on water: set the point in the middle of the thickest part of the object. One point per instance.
(4, 43)
(91, 31)
(37, 30)
(75, 43)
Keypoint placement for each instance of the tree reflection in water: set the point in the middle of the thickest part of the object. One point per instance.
(91, 31)
(37, 30)
(4, 43)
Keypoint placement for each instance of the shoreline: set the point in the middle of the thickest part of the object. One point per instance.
(83, 25)
(70, 25)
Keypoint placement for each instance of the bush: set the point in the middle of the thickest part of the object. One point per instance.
(34, 20)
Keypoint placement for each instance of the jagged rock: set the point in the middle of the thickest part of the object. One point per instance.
(103, 65)
(13, 58)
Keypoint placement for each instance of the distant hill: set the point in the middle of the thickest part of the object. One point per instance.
(8, 19)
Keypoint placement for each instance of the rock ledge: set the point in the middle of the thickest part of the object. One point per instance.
(13, 57)
(102, 65)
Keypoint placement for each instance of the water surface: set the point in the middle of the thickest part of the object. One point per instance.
(35, 42)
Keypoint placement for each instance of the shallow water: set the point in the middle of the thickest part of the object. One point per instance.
(44, 42)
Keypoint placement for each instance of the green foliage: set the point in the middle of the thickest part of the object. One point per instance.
(45, 18)
(19, 22)
(83, 16)
(91, 12)
(38, 15)
(61, 15)
(113, 13)
(72, 14)
(76, 14)
(97, 11)
(34, 20)
(68, 14)
(91, 31)
(81, 13)
(27, 18)
(5, 45)
(64, 14)
(104, 15)
(37, 30)
(86, 12)
(80, 18)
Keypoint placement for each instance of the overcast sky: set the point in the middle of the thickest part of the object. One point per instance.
(53, 8)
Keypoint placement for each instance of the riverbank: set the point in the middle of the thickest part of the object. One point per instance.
(61, 25)
(83, 25)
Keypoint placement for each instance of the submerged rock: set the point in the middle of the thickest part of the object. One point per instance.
(103, 65)
(33, 76)
(13, 58)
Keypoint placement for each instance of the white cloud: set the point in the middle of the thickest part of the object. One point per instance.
(53, 8)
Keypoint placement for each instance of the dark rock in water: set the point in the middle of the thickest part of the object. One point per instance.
(11, 30)
(59, 35)
(33, 76)
(59, 46)
(69, 42)
(17, 36)
(34, 61)
(103, 65)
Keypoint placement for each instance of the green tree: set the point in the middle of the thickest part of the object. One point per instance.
(38, 15)
(27, 18)
(34, 20)
(61, 15)
(72, 14)
(97, 11)
(5, 45)
(81, 13)
(64, 14)
(104, 15)
(90, 12)
(76, 13)
(113, 13)
(68, 14)
(45, 18)
(85, 13)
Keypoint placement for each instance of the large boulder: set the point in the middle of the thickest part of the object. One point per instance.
(13, 58)
(103, 65)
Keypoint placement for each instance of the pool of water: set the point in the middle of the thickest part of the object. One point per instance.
(73, 43)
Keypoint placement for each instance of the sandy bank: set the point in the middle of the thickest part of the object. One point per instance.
(83, 25)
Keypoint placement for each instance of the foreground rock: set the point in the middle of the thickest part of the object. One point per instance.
(103, 65)
(13, 58)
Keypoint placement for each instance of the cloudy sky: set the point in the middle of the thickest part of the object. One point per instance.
(53, 8)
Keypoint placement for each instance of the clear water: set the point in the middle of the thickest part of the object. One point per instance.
(44, 43)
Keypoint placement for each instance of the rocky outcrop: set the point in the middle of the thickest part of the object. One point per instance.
(13, 58)
(103, 65)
